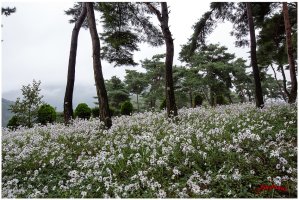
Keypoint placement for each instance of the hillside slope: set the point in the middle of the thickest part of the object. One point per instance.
(6, 113)
(223, 152)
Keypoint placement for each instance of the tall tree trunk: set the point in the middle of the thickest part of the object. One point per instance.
(105, 115)
(293, 92)
(68, 97)
(169, 88)
(258, 87)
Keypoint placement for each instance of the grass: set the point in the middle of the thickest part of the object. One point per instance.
(226, 151)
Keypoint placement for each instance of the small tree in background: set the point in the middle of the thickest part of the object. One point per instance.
(220, 100)
(46, 114)
(13, 123)
(83, 111)
(95, 112)
(136, 83)
(126, 108)
(26, 109)
(198, 100)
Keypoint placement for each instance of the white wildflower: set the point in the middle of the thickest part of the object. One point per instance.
(83, 194)
(236, 175)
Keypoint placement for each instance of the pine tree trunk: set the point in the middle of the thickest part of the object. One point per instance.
(258, 87)
(293, 92)
(169, 89)
(68, 97)
(170, 98)
(97, 67)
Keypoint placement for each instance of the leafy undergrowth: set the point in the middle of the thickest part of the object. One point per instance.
(227, 151)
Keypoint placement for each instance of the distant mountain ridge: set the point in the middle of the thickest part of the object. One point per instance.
(6, 113)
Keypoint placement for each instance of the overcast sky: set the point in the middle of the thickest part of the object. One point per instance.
(36, 42)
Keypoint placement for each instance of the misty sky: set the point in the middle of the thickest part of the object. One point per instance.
(36, 42)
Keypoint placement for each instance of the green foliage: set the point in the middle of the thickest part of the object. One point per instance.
(187, 81)
(220, 100)
(46, 114)
(95, 112)
(114, 112)
(117, 92)
(59, 117)
(217, 71)
(14, 122)
(125, 24)
(136, 83)
(163, 104)
(198, 100)
(83, 111)
(126, 108)
(154, 77)
(26, 109)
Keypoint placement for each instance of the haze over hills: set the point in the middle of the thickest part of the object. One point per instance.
(6, 113)
(54, 95)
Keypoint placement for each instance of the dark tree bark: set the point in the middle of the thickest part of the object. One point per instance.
(68, 97)
(293, 92)
(256, 73)
(105, 115)
(169, 88)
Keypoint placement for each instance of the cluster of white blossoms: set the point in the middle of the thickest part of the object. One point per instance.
(204, 152)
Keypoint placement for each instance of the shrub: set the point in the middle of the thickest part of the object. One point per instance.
(126, 108)
(83, 111)
(13, 123)
(198, 100)
(163, 104)
(59, 117)
(220, 100)
(95, 112)
(46, 114)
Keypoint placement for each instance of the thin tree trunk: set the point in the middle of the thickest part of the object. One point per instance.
(278, 84)
(105, 115)
(68, 97)
(163, 19)
(137, 103)
(293, 92)
(191, 97)
(230, 99)
(284, 80)
(29, 117)
(258, 87)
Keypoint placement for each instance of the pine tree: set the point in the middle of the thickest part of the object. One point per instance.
(68, 97)
(163, 17)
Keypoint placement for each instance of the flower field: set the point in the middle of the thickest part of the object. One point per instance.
(226, 151)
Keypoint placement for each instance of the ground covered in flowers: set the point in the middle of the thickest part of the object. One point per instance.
(227, 151)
